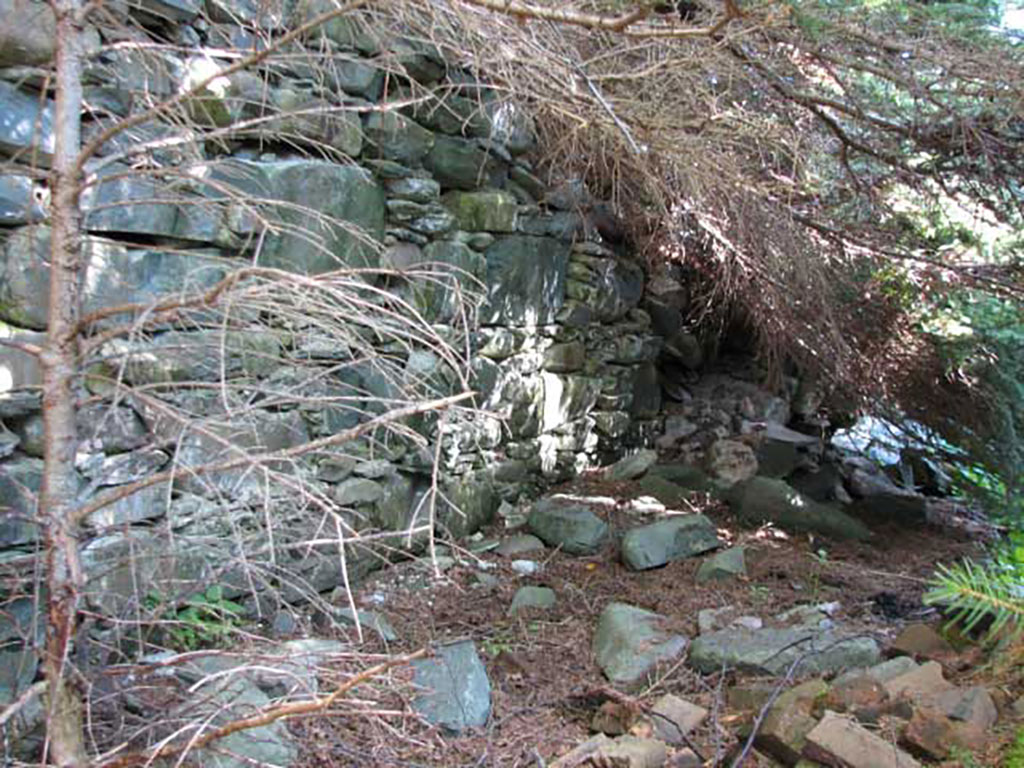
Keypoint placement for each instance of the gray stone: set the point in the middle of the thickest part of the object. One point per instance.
(294, 671)
(629, 642)
(562, 225)
(268, 15)
(970, 705)
(460, 164)
(457, 273)
(618, 288)
(180, 356)
(784, 730)
(566, 399)
(21, 200)
(646, 402)
(114, 275)
(761, 499)
(123, 468)
(575, 529)
(565, 358)
(771, 651)
(731, 462)
(684, 475)
(303, 115)
(20, 370)
(519, 545)
(147, 503)
(455, 692)
(122, 569)
(723, 566)
(372, 620)
(623, 752)
(487, 210)
(391, 135)
(657, 544)
(320, 202)
(171, 10)
(470, 503)
(665, 491)
(674, 718)
(526, 281)
(227, 697)
(20, 480)
(28, 34)
(348, 30)
(26, 124)
(259, 432)
(838, 740)
(358, 490)
(415, 189)
(712, 619)
(532, 597)
(633, 466)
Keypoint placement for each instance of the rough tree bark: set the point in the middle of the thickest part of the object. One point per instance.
(57, 496)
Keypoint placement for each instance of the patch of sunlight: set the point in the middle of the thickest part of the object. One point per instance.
(199, 69)
(596, 501)
(6, 378)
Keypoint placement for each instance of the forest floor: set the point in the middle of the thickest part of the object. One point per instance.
(545, 684)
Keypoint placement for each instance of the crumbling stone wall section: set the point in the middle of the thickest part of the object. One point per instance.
(417, 156)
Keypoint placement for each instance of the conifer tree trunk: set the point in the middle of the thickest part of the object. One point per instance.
(59, 362)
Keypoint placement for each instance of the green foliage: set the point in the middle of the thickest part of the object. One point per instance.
(205, 621)
(970, 593)
(1015, 755)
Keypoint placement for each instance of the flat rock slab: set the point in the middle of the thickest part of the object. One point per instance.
(674, 538)
(630, 642)
(762, 499)
(772, 651)
(837, 740)
(574, 528)
(674, 718)
(455, 691)
(632, 467)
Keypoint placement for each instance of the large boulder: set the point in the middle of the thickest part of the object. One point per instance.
(761, 499)
(657, 544)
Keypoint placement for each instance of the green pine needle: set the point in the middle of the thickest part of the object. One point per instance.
(970, 593)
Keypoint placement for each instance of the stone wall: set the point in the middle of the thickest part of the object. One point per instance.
(424, 164)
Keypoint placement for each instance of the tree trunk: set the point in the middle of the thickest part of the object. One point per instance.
(57, 496)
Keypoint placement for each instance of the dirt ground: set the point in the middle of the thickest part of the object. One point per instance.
(545, 684)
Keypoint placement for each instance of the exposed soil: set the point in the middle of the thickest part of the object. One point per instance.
(545, 684)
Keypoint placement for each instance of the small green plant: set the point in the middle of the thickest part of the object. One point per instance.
(206, 619)
(820, 558)
(963, 758)
(970, 593)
